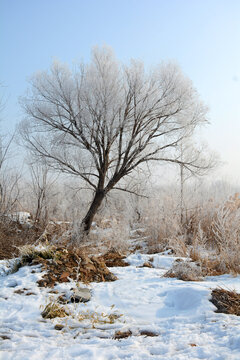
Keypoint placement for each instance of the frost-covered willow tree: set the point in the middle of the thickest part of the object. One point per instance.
(104, 120)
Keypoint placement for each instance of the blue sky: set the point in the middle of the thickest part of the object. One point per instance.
(203, 36)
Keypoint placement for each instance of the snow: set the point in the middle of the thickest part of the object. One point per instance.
(179, 312)
(22, 217)
(158, 260)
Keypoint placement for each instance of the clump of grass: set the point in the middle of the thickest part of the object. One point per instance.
(96, 318)
(122, 334)
(30, 252)
(12, 266)
(147, 333)
(15, 266)
(226, 301)
(27, 253)
(93, 318)
(53, 310)
(215, 266)
(186, 271)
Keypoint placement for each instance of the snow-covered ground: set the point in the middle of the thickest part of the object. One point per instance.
(179, 312)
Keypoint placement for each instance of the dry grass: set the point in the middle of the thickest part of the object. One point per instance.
(186, 271)
(160, 224)
(207, 229)
(31, 252)
(112, 235)
(147, 333)
(198, 266)
(75, 265)
(92, 318)
(122, 334)
(13, 235)
(56, 232)
(114, 258)
(53, 310)
(211, 263)
(215, 266)
(198, 269)
(62, 265)
(95, 318)
(226, 301)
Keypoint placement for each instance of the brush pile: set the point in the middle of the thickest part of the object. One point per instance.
(227, 302)
(61, 265)
(114, 258)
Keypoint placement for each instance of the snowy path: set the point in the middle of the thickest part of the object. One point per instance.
(179, 312)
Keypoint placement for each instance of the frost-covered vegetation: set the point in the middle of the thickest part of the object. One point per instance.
(207, 232)
(177, 298)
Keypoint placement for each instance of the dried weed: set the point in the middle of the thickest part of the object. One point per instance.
(226, 301)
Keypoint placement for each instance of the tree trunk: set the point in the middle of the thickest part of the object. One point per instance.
(181, 194)
(97, 200)
(38, 210)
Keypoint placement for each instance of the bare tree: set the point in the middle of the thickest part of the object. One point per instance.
(104, 120)
(41, 186)
(195, 161)
(9, 190)
(9, 178)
